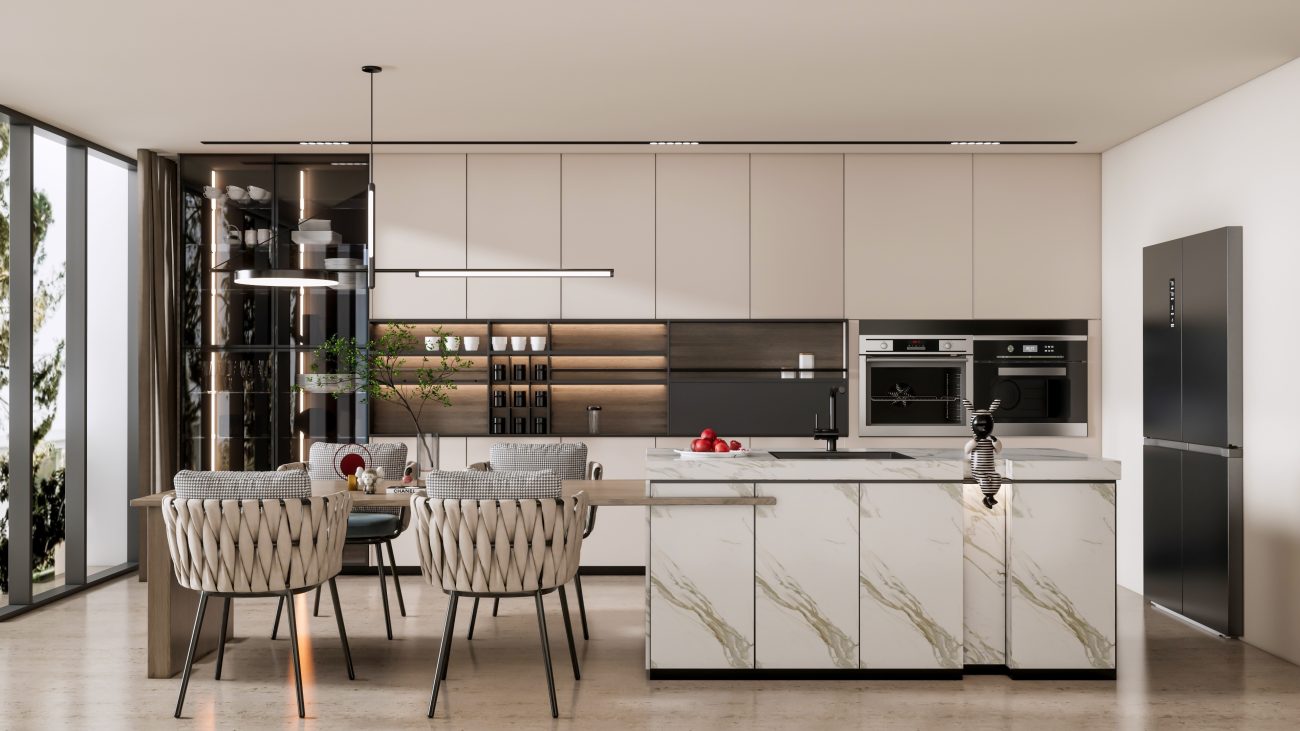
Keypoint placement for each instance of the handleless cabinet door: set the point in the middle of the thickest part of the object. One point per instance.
(609, 222)
(1211, 324)
(1037, 236)
(806, 576)
(1211, 542)
(702, 240)
(1162, 526)
(701, 579)
(907, 236)
(1162, 341)
(797, 235)
(910, 576)
(1061, 576)
(513, 221)
(419, 222)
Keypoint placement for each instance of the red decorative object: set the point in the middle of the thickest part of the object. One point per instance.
(349, 458)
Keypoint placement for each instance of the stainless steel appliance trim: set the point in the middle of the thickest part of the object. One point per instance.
(1231, 452)
(1028, 371)
(1037, 429)
(1074, 338)
(870, 344)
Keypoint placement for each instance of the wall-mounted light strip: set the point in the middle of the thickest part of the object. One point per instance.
(349, 164)
(674, 143)
(457, 273)
(323, 144)
(975, 143)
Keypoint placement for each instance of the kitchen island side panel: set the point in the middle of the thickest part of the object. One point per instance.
(984, 579)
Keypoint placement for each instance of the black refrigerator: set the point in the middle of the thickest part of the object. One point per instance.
(1191, 409)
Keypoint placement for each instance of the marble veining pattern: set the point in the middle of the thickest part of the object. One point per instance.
(1061, 576)
(984, 579)
(806, 604)
(910, 576)
(702, 580)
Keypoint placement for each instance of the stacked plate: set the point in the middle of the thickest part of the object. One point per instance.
(316, 238)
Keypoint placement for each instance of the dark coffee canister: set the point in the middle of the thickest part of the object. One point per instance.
(498, 398)
(520, 425)
(521, 372)
(498, 372)
(498, 425)
(539, 372)
(539, 398)
(539, 425)
(521, 398)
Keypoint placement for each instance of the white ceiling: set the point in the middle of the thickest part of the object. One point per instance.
(164, 74)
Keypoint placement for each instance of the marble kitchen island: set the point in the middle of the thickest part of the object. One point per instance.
(882, 567)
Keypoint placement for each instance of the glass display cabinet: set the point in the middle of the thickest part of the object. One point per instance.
(244, 347)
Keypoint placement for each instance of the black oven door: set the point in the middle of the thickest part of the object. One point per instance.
(1033, 392)
(913, 392)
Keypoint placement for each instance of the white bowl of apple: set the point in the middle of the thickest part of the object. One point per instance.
(710, 446)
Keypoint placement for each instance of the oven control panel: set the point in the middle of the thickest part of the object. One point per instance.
(1032, 349)
(875, 345)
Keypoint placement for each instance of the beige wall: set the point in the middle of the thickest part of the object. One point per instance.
(708, 235)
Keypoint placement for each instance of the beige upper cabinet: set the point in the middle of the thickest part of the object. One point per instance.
(419, 222)
(609, 222)
(796, 236)
(1037, 236)
(513, 220)
(907, 236)
(702, 218)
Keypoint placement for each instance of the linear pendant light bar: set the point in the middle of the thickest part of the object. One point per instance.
(487, 273)
(655, 143)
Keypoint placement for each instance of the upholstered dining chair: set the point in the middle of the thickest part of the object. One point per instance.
(568, 460)
(254, 534)
(499, 534)
(368, 525)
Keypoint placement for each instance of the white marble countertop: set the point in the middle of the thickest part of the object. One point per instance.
(926, 465)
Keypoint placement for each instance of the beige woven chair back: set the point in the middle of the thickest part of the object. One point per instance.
(256, 546)
(499, 546)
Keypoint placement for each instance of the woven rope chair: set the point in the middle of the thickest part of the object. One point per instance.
(501, 548)
(256, 548)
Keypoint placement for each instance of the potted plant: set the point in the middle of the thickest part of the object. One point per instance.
(391, 367)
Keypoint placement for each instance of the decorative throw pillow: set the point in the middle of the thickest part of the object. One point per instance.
(495, 485)
(568, 460)
(219, 485)
(330, 461)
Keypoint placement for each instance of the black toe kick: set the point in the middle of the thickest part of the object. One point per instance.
(878, 674)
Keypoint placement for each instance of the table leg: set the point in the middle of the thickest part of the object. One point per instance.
(172, 608)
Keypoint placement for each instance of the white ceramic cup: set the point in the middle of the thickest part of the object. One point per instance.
(250, 237)
(258, 194)
(452, 342)
(518, 342)
(499, 342)
(236, 193)
(263, 236)
(471, 342)
(430, 343)
(537, 343)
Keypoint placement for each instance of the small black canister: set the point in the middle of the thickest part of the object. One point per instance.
(498, 372)
(498, 425)
(498, 398)
(521, 372)
(519, 425)
(539, 398)
(539, 425)
(539, 372)
(521, 398)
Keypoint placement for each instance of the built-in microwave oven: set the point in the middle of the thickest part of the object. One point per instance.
(1040, 381)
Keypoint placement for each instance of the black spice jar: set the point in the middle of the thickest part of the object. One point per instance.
(521, 398)
(539, 398)
(539, 425)
(519, 425)
(539, 372)
(498, 372)
(498, 425)
(498, 398)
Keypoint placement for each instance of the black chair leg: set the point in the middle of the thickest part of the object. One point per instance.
(343, 632)
(546, 654)
(297, 662)
(275, 628)
(383, 589)
(582, 605)
(221, 646)
(473, 617)
(315, 610)
(392, 565)
(568, 631)
(189, 656)
(496, 604)
(444, 650)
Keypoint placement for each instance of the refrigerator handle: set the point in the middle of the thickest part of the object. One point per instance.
(1173, 307)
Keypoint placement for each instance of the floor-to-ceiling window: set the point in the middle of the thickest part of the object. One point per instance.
(65, 243)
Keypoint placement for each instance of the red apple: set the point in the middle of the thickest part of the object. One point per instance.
(735, 445)
(708, 434)
(701, 445)
(721, 446)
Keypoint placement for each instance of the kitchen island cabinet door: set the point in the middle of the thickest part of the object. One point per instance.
(806, 566)
(1061, 576)
(911, 571)
(702, 579)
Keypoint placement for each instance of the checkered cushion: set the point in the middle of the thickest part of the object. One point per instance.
(495, 485)
(568, 460)
(330, 461)
(192, 485)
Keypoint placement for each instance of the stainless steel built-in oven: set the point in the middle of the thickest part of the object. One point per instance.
(913, 386)
(1042, 382)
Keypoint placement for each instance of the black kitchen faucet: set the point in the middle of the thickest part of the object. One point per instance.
(831, 433)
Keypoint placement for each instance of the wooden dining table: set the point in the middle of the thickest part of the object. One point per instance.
(171, 608)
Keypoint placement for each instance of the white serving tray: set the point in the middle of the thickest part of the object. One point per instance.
(688, 454)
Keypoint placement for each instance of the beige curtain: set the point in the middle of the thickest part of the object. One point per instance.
(159, 228)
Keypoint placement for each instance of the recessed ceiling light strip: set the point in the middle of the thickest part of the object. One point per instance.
(490, 273)
(583, 143)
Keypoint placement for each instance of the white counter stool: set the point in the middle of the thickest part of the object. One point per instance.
(367, 525)
(569, 461)
(254, 534)
(476, 542)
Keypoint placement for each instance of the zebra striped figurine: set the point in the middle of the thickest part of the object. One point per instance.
(983, 450)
